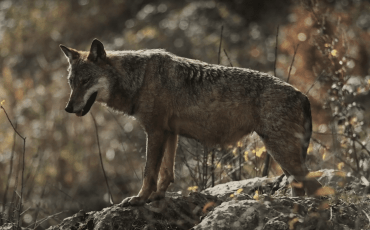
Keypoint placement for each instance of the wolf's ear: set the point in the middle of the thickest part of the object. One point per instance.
(96, 51)
(71, 54)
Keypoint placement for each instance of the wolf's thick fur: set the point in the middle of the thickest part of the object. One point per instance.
(213, 104)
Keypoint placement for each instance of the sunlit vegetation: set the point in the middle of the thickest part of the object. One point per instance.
(62, 171)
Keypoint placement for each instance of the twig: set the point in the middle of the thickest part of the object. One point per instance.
(25, 211)
(205, 166)
(128, 137)
(119, 124)
(10, 173)
(265, 171)
(101, 159)
(12, 123)
(219, 48)
(366, 215)
(344, 135)
(45, 219)
(38, 204)
(276, 45)
(231, 64)
(188, 166)
(363, 146)
(355, 155)
(129, 161)
(291, 65)
(30, 189)
(344, 161)
(314, 83)
(66, 194)
(24, 151)
(240, 163)
(213, 168)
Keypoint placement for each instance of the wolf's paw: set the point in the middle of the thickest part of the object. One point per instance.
(132, 201)
(156, 196)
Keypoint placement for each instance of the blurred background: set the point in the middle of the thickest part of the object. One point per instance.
(62, 172)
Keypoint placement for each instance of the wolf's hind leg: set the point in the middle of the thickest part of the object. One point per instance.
(297, 188)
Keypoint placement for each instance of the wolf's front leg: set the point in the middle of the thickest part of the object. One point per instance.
(154, 153)
(166, 173)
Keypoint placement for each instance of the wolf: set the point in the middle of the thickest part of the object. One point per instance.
(216, 105)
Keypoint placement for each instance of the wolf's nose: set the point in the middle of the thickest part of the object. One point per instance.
(69, 108)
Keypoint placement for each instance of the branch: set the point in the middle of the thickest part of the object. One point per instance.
(231, 64)
(276, 44)
(219, 48)
(291, 65)
(101, 160)
(24, 151)
(313, 84)
(36, 224)
(10, 172)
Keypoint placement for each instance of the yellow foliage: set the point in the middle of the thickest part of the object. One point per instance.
(324, 205)
(246, 155)
(314, 174)
(19, 94)
(260, 151)
(324, 191)
(239, 191)
(231, 195)
(340, 165)
(234, 151)
(353, 121)
(240, 144)
(2, 102)
(310, 149)
(343, 145)
(51, 171)
(292, 222)
(341, 173)
(208, 205)
(256, 196)
(324, 155)
(334, 53)
(297, 185)
(193, 188)
(148, 32)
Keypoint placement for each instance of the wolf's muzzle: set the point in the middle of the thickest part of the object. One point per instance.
(88, 105)
(85, 109)
(69, 108)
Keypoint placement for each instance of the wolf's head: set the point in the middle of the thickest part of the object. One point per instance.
(87, 77)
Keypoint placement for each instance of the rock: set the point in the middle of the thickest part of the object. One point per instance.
(12, 226)
(173, 212)
(237, 205)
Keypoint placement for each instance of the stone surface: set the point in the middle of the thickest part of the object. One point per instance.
(236, 205)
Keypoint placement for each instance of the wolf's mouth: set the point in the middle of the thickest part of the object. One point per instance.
(88, 105)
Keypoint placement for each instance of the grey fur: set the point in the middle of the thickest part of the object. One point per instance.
(214, 104)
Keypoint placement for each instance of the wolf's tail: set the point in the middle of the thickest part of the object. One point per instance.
(307, 125)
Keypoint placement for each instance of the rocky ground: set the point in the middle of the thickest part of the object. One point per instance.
(259, 203)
